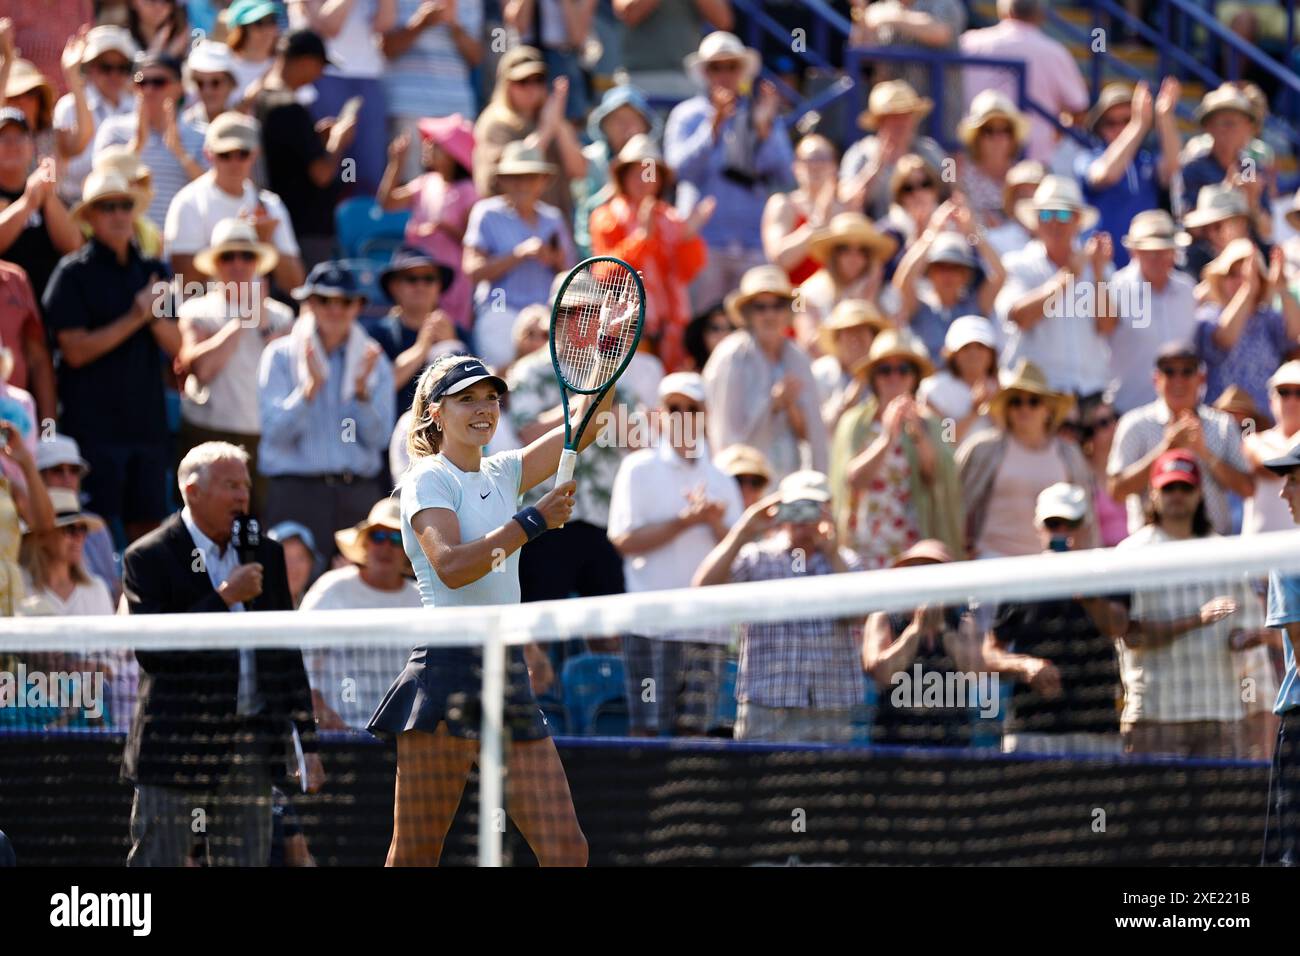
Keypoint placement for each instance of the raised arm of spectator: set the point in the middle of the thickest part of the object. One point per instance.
(1150, 635)
(206, 353)
(373, 404)
(1237, 313)
(912, 266)
(70, 142)
(33, 504)
(782, 243)
(717, 564)
(392, 195)
(1106, 169)
(552, 127)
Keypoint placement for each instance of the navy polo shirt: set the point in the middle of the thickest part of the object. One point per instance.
(395, 338)
(1200, 172)
(1136, 191)
(118, 398)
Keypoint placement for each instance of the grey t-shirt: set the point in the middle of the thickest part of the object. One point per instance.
(662, 40)
(483, 501)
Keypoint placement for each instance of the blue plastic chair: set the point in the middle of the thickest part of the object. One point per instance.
(725, 715)
(366, 231)
(592, 684)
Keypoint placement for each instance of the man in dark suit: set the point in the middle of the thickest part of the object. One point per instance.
(211, 727)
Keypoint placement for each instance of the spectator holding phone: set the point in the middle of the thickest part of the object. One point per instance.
(302, 155)
(515, 244)
(799, 680)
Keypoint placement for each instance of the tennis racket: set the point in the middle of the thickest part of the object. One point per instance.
(596, 323)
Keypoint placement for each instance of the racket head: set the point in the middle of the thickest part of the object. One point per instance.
(596, 323)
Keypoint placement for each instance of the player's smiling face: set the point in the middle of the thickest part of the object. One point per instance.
(470, 416)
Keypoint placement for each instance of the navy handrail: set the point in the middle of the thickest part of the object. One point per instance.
(1248, 50)
(937, 59)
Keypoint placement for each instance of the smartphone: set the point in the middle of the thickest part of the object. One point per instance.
(350, 109)
(799, 511)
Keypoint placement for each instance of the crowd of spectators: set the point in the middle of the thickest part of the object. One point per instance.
(862, 353)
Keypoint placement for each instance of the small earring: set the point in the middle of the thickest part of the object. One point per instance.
(437, 426)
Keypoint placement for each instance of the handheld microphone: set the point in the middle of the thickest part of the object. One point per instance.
(246, 537)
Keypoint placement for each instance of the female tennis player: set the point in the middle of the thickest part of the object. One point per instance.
(458, 521)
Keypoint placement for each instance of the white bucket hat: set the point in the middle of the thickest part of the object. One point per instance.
(721, 45)
(1056, 192)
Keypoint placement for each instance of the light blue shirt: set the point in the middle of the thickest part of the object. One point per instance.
(699, 162)
(219, 565)
(1284, 608)
(494, 228)
(483, 501)
(324, 436)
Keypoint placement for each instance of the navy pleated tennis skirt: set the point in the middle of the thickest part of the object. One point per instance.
(446, 684)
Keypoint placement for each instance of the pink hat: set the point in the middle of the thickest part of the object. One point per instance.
(453, 133)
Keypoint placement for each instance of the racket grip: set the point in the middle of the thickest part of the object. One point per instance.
(568, 461)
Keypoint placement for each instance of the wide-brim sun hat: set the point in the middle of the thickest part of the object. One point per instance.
(1238, 250)
(1215, 203)
(351, 541)
(896, 343)
(453, 134)
(236, 235)
(1056, 193)
(1025, 376)
(721, 45)
(893, 98)
(640, 151)
(989, 105)
(736, 460)
(107, 38)
(760, 280)
(850, 228)
(520, 159)
(25, 77)
(67, 511)
(850, 314)
(1224, 98)
(102, 184)
(405, 258)
(1153, 230)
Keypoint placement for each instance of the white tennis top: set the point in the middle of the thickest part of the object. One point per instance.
(483, 501)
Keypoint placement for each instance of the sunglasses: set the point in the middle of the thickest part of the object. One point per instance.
(264, 22)
(68, 471)
(675, 409)
(722, 66)
(895, 368)
(1087, 431)
(342, 301)
(767, 305)
(1178, 371)
(537, 79)
(860, 250)
(425, 278)
(212, 84)
(1182, 487)
(75, 530)
(380, 535)
(234, 154)
(115, 205)
(1060, 215)
(720, 328)
(756, 482)
(1284, 391)
(1024, 401)
(156, 82)
(1061, 524)
(122, 69)
(242, 255)
(995, 130)
(915, 187)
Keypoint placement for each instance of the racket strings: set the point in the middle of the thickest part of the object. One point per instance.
(596, 325)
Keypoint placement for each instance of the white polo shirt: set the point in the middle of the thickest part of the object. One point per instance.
(652, 486)
(200, 205)
(1147, 320)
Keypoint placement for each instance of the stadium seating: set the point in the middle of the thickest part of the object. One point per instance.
(365, 231)
(592, 684)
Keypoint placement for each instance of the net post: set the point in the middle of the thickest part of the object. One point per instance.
(490, 762)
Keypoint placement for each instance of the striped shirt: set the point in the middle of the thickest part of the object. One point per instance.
(1141, 429)
(168, 175)
(65, 118)
(325, 436)
(494, 228)
(813, 662)
(432, 78)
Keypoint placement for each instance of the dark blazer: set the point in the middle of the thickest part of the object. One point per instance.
(185, 720)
